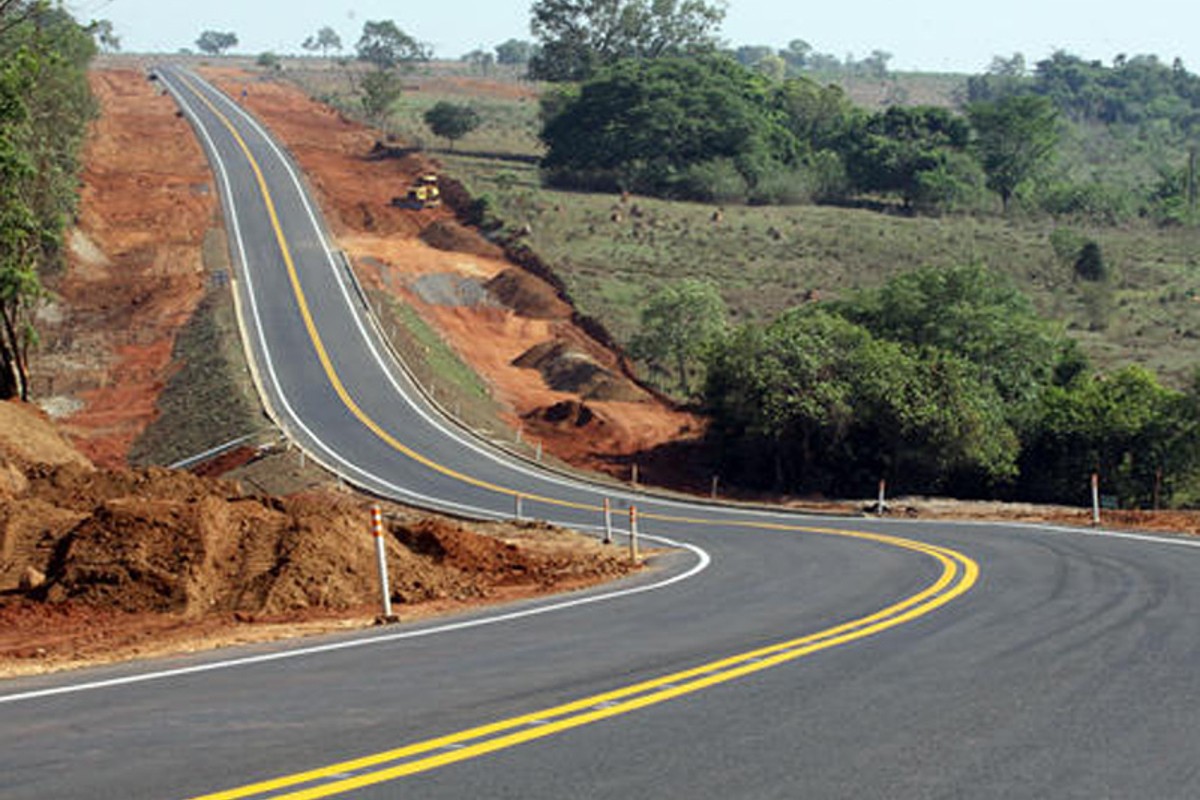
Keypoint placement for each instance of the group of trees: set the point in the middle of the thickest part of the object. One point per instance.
(1017, 136)
(799, 58)
(579, 37)
(1136, 110)
(940, 381)
(706, 128)
(45, 106)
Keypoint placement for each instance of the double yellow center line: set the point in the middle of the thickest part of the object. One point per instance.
(958, 575)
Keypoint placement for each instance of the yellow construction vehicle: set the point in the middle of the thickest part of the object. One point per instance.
(422, 194)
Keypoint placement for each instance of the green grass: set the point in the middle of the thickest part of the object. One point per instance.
(210, 399)
(767, 259)
(436, 366)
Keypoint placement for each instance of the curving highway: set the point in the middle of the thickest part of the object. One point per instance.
(769, 655)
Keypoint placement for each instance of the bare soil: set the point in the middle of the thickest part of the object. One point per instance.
(136, 272)
(355, 176)
(100, 564)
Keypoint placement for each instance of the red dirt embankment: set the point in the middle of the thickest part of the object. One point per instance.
(515, 314)
(135, 274)
(100, 564)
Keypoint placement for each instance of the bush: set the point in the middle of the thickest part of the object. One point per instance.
(1089, 265)
(957, 184)
(828, 176)
(1094, 201)
(716, 181)
(783, 187)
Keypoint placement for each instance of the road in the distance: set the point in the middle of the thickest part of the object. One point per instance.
(1066, 670)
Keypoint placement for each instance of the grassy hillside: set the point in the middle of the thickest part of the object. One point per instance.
(612, 254)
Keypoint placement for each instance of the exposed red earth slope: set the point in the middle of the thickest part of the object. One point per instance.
(99, 564)
(516, 315)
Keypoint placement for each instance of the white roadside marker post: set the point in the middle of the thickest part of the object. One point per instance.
(1095, 498)
(608, 521)
(633, 534)
(517, 506)
(381, 559)
(882, 505)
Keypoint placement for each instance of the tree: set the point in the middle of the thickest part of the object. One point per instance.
(750, 54)
(771, 66)
(386, 46)
(824, 405)
(578, 37)
(216, 42)
(18, 225)
(974, 313)
(45, 108)
(325, 39)
(1123, 425)
(796, 54)
(680, 323)
(379, 89)
(480, 60)
(514, 51)
(888, 152)
(875, 64)
(451, 121)
(1014, 136)
(269, 60)
(106, 37)
(648, 126)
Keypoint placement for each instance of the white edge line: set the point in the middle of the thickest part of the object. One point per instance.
(703, 558)
(702, 562)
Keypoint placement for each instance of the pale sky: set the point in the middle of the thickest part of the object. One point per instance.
(927, 35)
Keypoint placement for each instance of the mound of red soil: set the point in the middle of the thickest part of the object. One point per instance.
(449, 235)
(564, 414)
(130, 548)
(527, 295)
(566, 369)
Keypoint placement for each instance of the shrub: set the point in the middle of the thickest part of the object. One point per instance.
(1089, 265)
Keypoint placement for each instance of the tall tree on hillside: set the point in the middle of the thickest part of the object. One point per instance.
(386, 46)
(647, 126)
(18, 225)
(578, 37)
(216, 42)
(1015, 135)
(889, 151)
(451, 121)
(45, 107)
(680, 324)
(325, 39)
(380, 89)
(975, 313)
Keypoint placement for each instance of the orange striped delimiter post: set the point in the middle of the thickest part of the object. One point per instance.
(381, 559)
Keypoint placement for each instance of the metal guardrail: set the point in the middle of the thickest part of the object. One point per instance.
(212, 452)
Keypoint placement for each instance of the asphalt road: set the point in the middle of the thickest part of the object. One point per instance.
(772, 656)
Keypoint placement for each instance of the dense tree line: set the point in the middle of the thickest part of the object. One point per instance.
(1149, 112)
(942, 381)
(706, 128)
(45, 106)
